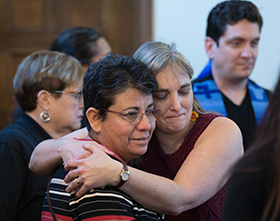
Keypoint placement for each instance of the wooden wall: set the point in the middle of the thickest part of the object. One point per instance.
(30, 25)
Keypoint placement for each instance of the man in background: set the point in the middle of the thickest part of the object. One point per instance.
(232, 37)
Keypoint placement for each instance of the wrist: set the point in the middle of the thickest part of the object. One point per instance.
(124, 175)
(117, 171)
(60, 155)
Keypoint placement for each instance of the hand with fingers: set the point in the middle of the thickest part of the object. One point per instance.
(92, 172)
(73, 149)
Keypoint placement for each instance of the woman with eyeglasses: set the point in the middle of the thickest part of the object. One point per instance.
(119, 110)
(187, 162)
(47, 86)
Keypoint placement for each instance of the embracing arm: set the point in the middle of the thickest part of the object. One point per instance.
(47, 156)
(204, 172)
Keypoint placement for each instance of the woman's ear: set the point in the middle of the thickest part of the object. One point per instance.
(210, 45)
(94, 119)
(43, 99)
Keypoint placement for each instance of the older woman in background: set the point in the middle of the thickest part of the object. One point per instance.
(47, 87)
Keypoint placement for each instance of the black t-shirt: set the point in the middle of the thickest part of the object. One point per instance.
(22, 191)
(243, 116)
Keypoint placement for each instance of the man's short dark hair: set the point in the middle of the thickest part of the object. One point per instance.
(229, 13)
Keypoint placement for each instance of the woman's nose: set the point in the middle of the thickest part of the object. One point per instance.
(175, 103)
(144, 123)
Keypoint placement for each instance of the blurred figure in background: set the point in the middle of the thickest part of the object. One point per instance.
(254, 189)
(85, 44)
(47, 87)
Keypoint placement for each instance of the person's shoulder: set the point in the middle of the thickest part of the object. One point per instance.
(13, 131)
(223, 137)
(222, 120)
(225, 127)
(205, 119)
(220, 125)
(210, 115)
(200, 80)
(254, 83)
(16, 137)
(268, 92)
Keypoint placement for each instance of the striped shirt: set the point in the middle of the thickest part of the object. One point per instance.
(108, 203)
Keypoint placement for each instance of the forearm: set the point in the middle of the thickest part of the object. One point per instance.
(187, 191)
(50, 154)
(153, 192)
(158, 193)
(46, 157)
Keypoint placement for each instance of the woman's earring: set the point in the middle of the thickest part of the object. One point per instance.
(194, 116)
(45, 116)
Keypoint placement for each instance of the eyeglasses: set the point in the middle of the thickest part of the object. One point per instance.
(77, 95)
(136, 116)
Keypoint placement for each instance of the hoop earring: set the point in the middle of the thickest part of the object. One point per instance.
(45, 116)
